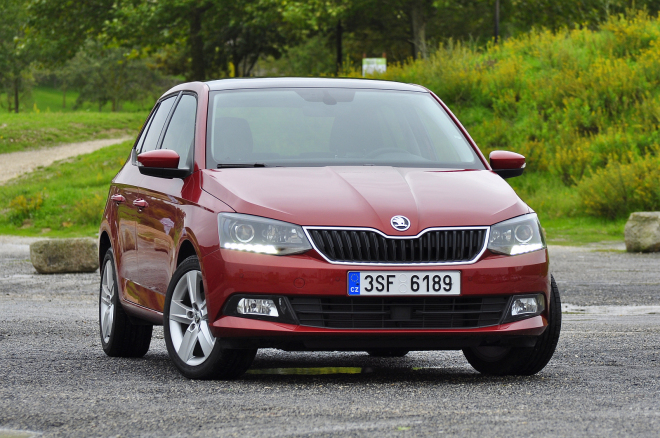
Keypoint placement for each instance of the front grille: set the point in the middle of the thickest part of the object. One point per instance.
(365, 246)
(403, 313)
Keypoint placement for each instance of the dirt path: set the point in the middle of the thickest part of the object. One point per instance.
(18, 163)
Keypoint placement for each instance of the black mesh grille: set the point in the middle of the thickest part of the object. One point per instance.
(437, 246)
(404, 313)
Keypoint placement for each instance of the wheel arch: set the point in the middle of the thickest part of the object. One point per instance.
(186, 249)
(104, 245)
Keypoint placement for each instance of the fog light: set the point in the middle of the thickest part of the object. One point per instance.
(254, 306)
(525, 306)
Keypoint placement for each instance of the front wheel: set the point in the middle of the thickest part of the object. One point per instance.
(190, 343)
(503, 361)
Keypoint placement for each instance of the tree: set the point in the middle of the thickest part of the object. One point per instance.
(62, 27)
(204, 36)
(111, 74)
(16, 53)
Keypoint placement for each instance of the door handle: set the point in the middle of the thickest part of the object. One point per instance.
(118, 198)
(140, 203)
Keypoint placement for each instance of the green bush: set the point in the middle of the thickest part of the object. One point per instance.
(582, 105)
(617, 189)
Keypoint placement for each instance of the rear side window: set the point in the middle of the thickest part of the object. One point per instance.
(180, 133)
(156, 125)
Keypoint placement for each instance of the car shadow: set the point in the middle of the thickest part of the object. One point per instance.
(272, 366)
(360, 367)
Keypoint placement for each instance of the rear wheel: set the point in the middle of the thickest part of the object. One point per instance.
(388, 352)
(503, 361)
(119, 336)
(190, 343)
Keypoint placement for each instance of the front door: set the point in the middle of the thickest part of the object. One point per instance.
(161, 221)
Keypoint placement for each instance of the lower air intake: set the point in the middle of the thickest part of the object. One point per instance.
(403, 313)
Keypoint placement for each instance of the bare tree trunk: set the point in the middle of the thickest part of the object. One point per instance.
(197, 45)
(340, 56)
(419, 29)
(497, 21)
(16, 95)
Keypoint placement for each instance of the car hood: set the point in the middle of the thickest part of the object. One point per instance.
(367, 196)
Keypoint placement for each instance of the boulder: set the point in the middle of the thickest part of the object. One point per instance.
(643, 232)
(55, 256)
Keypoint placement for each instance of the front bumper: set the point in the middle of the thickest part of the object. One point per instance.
(231, 272)
(239, 333)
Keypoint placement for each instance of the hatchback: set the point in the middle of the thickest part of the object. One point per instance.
(320, 215)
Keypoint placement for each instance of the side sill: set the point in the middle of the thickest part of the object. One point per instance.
(141, 315)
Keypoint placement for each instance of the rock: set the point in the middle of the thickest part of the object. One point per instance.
(643, 232)
(55, 256)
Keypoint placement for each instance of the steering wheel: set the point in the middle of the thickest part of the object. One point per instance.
(382, 151)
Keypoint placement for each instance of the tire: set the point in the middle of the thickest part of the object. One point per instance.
(388, 352)
(502, 361)
(190, 343)
(119, 336)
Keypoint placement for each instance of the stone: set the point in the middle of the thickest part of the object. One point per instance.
(642, 232)
(56, 256)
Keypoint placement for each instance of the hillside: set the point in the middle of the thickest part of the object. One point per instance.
(582, 105)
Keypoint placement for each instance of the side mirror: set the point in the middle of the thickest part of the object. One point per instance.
(507, 164)
(162, 163)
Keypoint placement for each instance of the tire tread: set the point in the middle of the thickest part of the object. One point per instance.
(126, 339)
(224, 364)
(526, 361)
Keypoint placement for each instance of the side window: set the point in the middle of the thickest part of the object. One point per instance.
(140, 141)
(180, 132)
(156, 125)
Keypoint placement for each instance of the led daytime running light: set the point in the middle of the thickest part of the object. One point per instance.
(522, 249)
(261, 249)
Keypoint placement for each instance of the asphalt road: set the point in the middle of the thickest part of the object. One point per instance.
(603, 380)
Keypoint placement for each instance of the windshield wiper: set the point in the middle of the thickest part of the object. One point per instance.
(232, 165)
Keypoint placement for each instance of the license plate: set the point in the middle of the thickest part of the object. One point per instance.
(373, 283)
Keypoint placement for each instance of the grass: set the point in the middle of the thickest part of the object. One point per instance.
(49, 99)
(576, 231)
(65, 199)
(34, 130)
(582, 105)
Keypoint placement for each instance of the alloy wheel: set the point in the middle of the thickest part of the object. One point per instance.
(108, 289)
(188, 320)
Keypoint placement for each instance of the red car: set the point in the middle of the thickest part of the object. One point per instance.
(320, 214)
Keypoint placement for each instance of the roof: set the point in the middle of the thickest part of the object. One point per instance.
(256, 83)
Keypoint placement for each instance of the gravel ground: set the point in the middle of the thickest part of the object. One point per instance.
(603, 380)
(599, 275)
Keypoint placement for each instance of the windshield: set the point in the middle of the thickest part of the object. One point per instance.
(333, 127)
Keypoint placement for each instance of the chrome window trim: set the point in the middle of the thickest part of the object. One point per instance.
(421, 233)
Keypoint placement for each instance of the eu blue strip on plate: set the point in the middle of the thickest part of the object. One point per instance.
(354, 283)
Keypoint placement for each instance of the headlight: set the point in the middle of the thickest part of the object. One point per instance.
(516, 236)
(242, 232)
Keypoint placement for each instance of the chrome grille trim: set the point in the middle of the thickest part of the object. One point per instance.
(485, 229)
